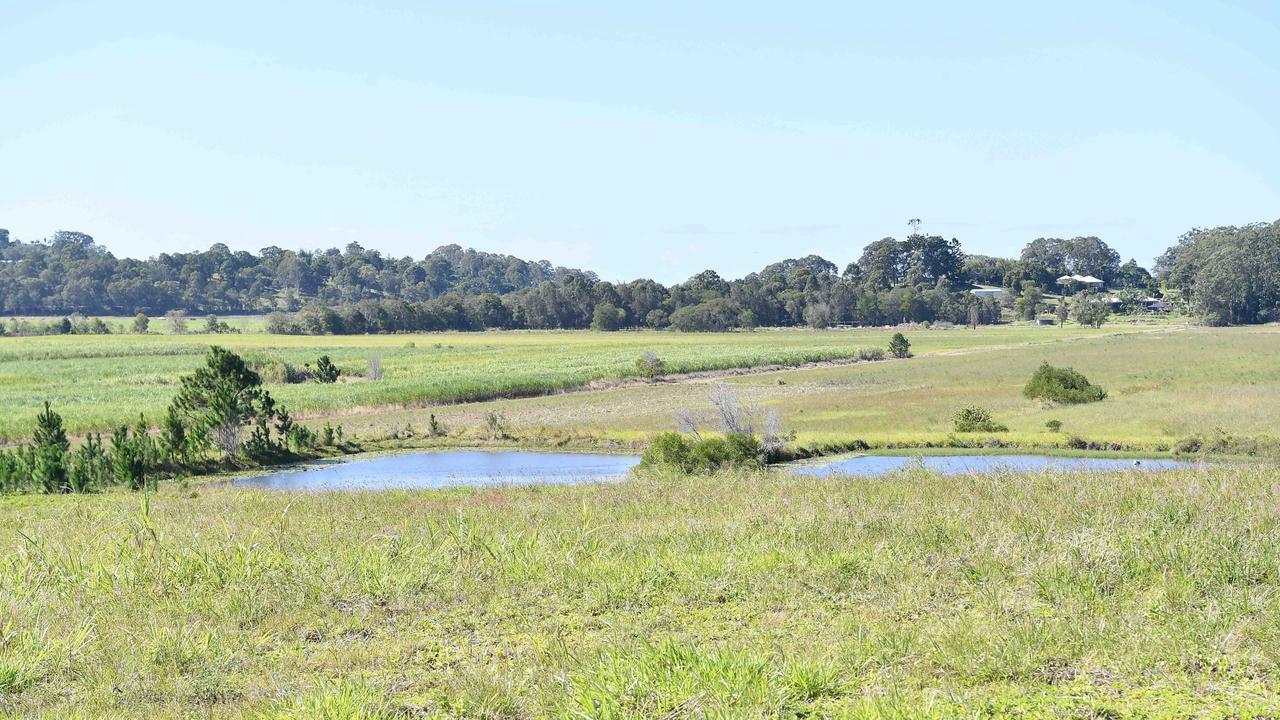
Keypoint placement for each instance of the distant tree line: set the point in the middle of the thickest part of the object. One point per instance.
(922, 278)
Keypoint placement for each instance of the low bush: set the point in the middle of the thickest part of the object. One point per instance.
(274, 370)
(650, 366)
(972, 418)
(495, 424)
(1062, 385)
(326, 371)
(691, 454)
(899, 346)
(870, 354)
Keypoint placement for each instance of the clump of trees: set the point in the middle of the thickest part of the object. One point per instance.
(74, 324)
(1227, 275)
(1061, 385)
(49, 464)
(353, 291)
(214, 326)
(221, 413)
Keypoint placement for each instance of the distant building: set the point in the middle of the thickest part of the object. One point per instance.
(1086, 280)
(987, 291)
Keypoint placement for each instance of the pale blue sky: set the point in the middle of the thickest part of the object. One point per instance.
(636, 139)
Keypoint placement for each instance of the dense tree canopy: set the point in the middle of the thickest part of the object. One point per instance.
(1047, 259)
(70, 273)
(354, 290)
(1227, 274)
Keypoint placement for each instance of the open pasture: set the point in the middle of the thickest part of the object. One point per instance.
(1162, 386)
(97, 381)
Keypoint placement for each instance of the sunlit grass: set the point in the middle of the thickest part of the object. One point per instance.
(1163, 386)
(1012, 595)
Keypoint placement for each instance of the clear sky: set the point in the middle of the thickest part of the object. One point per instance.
(640, 138)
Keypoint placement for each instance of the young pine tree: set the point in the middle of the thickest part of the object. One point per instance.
(50, 446)
(899, 346)
(173, 437)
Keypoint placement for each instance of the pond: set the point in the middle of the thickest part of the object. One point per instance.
(875, 465)
(425, 470)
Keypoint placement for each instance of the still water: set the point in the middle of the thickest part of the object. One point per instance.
(874, 465)
(427, 470)
(447, 469)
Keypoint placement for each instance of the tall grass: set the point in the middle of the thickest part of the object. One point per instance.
(746, 595)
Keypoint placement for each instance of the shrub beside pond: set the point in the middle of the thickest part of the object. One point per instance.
(674, 451)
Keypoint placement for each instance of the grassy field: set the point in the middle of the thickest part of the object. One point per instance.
(1164, 386)
(97, 381)
(1020, 596)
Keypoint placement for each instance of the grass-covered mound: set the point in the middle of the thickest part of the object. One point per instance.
(1062, 385)
(736, 595)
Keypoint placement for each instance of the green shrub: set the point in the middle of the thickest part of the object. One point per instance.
(670, 450)
(871, 354)
(899, 346)
(50, 445)
(300, 438)
(1092, 312)
(650, 365)
(128, 459)
(326, 371)
(274, 370)
(1054, 425)
(1188, 445)
(90, 466)
(434, 428)
(1062, 385)
(972, 418)
(214, 326)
